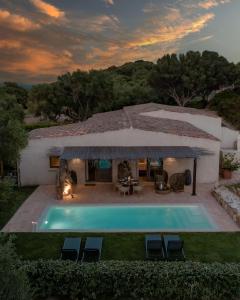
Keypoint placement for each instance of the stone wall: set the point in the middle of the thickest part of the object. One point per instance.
(229, 201)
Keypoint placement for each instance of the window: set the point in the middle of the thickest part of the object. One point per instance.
(54, 161)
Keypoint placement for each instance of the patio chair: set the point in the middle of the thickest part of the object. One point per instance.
(71, 249)
(117, 185)
(137, 188)
(173, 246)
(123, 190)
(154, 247)
(92, 250)
(177, 182)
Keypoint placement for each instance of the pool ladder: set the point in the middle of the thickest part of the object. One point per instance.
(34, 226)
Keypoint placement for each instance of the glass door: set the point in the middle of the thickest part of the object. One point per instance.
(100, 170)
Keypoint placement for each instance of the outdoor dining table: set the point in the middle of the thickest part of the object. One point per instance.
(130, 184)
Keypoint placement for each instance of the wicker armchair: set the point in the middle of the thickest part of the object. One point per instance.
(177, 182)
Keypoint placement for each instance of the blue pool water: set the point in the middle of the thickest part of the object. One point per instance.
(126, 218)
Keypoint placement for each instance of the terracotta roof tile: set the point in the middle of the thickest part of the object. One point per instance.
(148, 107)
(126, 118)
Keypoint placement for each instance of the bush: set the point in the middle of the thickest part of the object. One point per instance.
(230, 162)
(134, 280)
(13, 281)
(6, 190)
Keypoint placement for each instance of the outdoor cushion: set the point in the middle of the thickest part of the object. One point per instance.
(173, 245)
(92, 249)
(71, 248)
(154, 247)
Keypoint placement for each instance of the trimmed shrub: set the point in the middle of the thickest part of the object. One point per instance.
(13, 281)
(134, 280)
(6, 190)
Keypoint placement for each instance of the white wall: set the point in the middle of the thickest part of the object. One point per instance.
(229, 138)
(209, 124)
(34, 163)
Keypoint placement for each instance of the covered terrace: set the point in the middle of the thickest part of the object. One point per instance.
(132, 153)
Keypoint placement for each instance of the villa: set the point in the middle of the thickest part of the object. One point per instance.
(144, 135)
(82, 171)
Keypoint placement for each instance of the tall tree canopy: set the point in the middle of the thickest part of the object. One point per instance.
(84, 93)
(12, 134)
(227, 104)
(45, 100)
(191, 75)
(188, 79)
(19, 92)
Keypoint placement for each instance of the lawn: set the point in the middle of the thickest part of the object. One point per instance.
(8, 208)
(204, 247)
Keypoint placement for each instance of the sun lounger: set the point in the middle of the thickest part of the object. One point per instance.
(173, 245)
(154, 247)
(92, 250)
(71, 249)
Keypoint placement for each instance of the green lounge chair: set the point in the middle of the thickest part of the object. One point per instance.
(92, 250)
(154, 247)
(71, 249)
(173, 245)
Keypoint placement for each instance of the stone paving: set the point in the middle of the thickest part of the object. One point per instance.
(32, 209)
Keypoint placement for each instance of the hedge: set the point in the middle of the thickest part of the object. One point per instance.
(134, 280)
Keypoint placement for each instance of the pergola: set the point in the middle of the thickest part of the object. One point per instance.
(136, 152)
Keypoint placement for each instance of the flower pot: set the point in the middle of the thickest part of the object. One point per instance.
(227, 174)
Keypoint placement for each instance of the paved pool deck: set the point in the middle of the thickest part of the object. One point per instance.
(45, 195)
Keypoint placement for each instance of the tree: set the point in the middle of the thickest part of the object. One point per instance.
(191, 75)
(217, 75)
(45, 100)
(227, 105)
(19, 92)
(12, 134)
(13, 281)
(85, 93)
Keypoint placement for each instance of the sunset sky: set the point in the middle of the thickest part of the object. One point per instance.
(41, 39)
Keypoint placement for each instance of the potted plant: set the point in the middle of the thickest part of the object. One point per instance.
(229, 164)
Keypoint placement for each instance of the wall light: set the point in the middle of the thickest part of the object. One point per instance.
(170, 159)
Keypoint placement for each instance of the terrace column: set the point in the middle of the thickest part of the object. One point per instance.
(194, 177)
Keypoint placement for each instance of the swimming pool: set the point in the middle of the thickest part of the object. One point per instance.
(117, 218)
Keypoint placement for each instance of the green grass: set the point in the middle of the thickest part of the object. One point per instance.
(8, 208)
(204, 247)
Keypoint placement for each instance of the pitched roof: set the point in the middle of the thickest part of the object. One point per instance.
(128, 117)
(148, 107)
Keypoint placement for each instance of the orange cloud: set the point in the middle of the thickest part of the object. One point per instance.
(164, 33)
(17, 22)
(9, 44)
(207, 4)
(33, 61)
(109, 2)
(48, 9)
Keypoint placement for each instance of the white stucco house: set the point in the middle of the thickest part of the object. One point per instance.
(182, 138)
